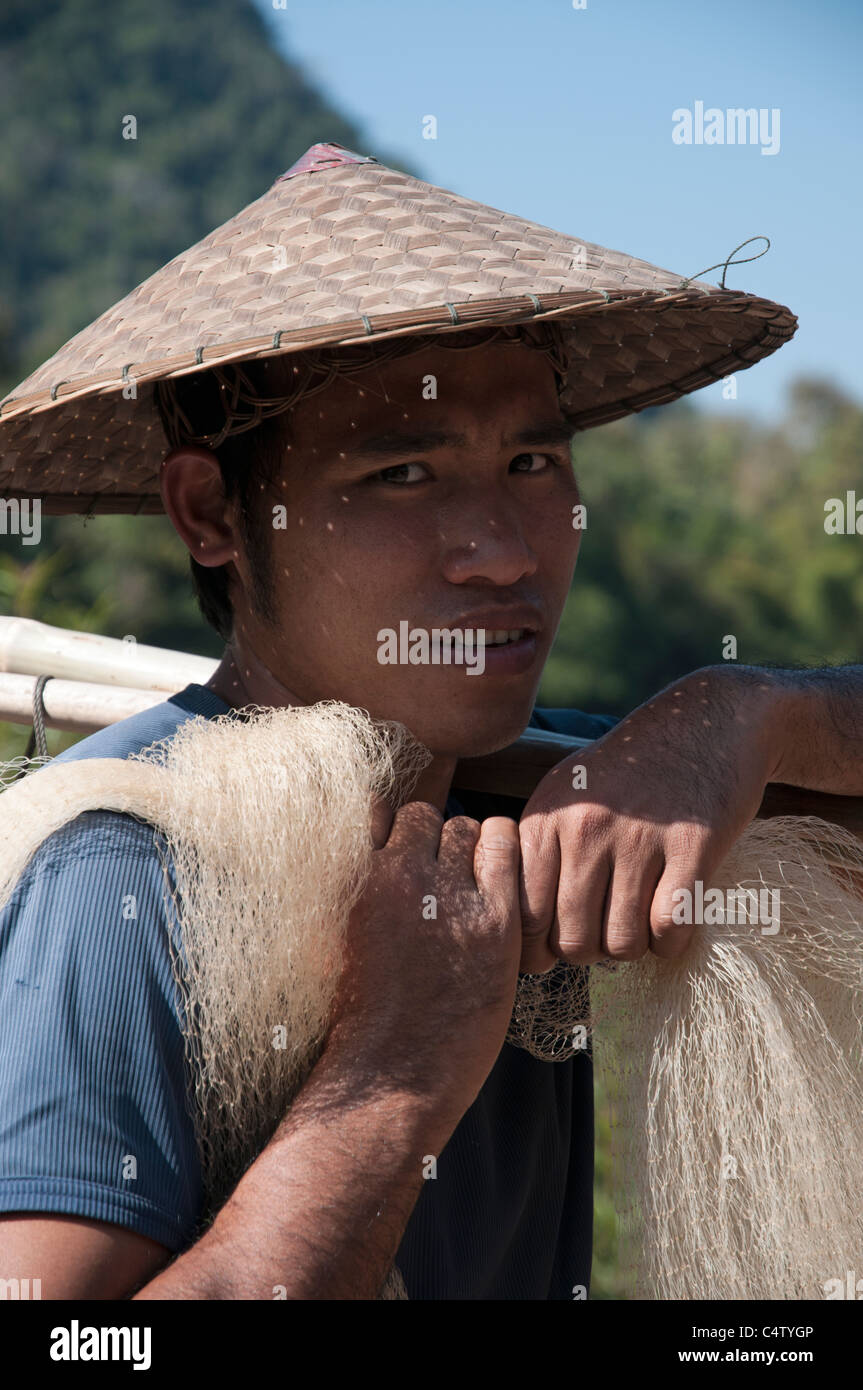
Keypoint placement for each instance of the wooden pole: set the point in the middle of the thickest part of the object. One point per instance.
(101, 680)
(79, 707)
(29, 648)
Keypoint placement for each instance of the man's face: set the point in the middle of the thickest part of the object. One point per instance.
(446, 513)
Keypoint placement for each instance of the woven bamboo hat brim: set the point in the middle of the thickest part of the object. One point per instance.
(342, 250)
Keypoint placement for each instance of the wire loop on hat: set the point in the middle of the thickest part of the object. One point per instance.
(729, 260)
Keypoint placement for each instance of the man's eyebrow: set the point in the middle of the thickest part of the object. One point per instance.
(396, 444)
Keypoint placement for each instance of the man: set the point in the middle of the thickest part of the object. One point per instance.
(432, 486)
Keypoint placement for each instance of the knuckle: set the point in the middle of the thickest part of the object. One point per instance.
(501, 835)
(668, 945)
(593, 820)
(687, 841)
(419, 810)
(626, 921)
(497, 847)
(570, 910)
(536, 835)
(418, 817)
(579, 953)
(627, 950)
(534, 923)
(661, 918)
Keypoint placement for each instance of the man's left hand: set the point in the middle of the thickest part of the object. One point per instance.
(666, 793)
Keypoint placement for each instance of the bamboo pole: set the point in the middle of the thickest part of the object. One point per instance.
(79, 707)
(81, 700)
(29, 648)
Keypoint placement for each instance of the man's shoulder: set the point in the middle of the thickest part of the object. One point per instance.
(112, 835)
(150, 726)
(92, 1049)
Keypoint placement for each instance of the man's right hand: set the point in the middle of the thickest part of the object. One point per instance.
(432, 954)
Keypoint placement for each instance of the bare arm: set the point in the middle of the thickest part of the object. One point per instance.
(421, 1016)
(820, 718)
(321, 1212)
(323, 1209)
(73, 1257)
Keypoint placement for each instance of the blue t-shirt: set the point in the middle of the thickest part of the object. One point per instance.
(94, 1113)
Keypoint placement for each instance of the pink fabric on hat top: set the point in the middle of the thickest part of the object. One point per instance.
(325, 157)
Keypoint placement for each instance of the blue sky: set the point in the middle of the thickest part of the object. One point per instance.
(564, 116)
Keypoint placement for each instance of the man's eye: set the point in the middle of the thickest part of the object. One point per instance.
(401, 473)
(532, 463)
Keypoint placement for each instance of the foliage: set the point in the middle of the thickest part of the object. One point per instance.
(701, 527)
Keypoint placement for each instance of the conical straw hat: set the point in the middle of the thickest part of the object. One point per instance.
(343, 250)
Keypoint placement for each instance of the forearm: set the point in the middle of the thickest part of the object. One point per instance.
(803, 728)
(818, 727)
(323, 1209)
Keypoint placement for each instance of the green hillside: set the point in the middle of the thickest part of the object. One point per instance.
(85, 214)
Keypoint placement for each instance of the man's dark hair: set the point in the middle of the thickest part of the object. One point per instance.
(249, 463)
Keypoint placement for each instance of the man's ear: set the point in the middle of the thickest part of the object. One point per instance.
(193, 495)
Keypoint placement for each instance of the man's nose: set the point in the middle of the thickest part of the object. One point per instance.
(487, 541)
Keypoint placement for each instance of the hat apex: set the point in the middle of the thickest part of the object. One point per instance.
(325, 156)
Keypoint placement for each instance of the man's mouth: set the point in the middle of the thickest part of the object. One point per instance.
(501, 637)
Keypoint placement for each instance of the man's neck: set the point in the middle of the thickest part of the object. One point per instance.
(242, 679)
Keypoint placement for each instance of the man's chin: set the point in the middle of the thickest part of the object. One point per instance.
(476, 741)
(451, 726)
